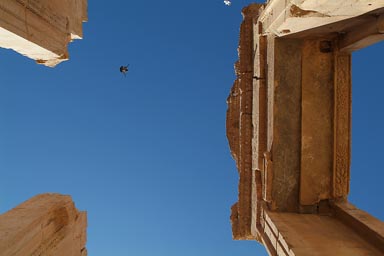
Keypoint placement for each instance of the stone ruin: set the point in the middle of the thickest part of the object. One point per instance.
(47, 224)
(289, 127)
(41, 29)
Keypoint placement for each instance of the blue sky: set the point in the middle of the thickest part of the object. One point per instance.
(146, 156)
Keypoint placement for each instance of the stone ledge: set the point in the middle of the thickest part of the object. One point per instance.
(41, 29)
(371, 228)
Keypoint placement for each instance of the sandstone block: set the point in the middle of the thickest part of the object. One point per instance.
(45, 225)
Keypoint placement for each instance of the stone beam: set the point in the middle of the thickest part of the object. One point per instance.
(284, 118)
(47, 224)
(363, 35)
(289, 128)
(41, 29)
(343, 230)
(282, 18)
(369, 227)
(316, 123)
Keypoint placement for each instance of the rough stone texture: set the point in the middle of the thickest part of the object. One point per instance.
(45, 225)
(368, 31)
(283, 17)
(342, 126)
(259, 123)
(239, 127)
(233, 120)
(256, 202)
(41, 29)
(289, 129)
(285, 153)
(369, 227)
(317, 235)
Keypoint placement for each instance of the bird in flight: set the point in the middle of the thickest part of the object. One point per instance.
(124, 69)
(227, 2)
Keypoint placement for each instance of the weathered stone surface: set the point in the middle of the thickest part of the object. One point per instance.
(289, 129)
(256, 202)
(286, 115)
(282, 17)
(342, 126)
(41, 29)
(313, 234)
(270, 89)
(259, 112)
(259, 123)
(240, 130)
(369, 227)
(47, 224)
(316, 123)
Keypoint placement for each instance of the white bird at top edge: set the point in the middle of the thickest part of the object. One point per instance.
(227, 2)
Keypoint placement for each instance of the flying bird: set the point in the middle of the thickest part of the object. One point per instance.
(227, 2)
(124, 69)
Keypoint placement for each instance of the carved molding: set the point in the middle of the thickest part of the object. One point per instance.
(240, 131)
(342, 125)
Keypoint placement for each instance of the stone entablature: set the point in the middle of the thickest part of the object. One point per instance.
(289, 115)
(41, 29)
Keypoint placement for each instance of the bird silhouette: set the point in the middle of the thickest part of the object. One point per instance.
(124, 69)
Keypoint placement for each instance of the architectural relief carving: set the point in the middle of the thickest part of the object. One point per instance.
(289, 127)
(342, 120)
(240, 126)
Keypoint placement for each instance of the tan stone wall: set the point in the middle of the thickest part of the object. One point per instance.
(240, 130)
(47, 224)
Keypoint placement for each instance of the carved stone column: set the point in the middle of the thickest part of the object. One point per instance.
(239, 126)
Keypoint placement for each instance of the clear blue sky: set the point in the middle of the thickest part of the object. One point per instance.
(146, 156)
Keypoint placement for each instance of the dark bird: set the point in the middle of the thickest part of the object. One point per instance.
(258, 78)
(124, 69)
